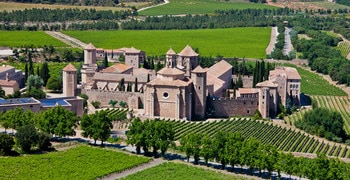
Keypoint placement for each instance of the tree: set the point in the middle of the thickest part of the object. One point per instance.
(45, 73)
(166, 136)
(16, 118)
(207, 148)
(54, 84)
(135, 134)
(43, 141)
(186, 146)
(97, 126)
(136, 89)
(233, 148)
(31, 67)
(128, 88)
(219, 142)
(121, 86)
(105, 61)
(85, 98)
(57, 121)
(112, 103)
(2, 92)
(26, 71)
(6, 144)
(34, 82)
(96, 104)
(38, 71)
(26, 137)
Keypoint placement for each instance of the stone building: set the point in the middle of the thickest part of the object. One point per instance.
(69, 80)
(181, 89)
(11, 78)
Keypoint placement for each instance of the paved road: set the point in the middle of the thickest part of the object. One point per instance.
(288, 46)
(66, 39)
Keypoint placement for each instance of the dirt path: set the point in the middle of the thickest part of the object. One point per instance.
(66, 39)
(128, 172)
(273, 39)
(165, 2)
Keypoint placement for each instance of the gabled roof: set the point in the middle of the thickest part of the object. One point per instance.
(131, 50)
(220, 68)
(6, 83)
(199, 69)
(290, 72)
(171, 52)
(266, 84)
(69, 67)
(89, 47)
(248, 90)
(117, 68)
(188, 52)
(112, 77)
(5, 67)
(170, 71)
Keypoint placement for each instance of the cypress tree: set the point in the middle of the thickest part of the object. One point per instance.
(135, 87)
(31, 67)
(121, 85)
(105, 61)
(262, 71)
(26, 73)
(38, 71)
(45, 73)
(148, 78)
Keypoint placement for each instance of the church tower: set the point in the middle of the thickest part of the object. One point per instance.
(199, 77)
(89, 67)
(189, 59)
(170, 59)
(69, 80)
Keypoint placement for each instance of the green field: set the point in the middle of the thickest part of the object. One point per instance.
(179, 171)
(314, 84)
(81, 162)
(201, 7)
(232, 42)
(20, 38)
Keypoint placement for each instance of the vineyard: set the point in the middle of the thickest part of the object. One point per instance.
(117, 113)
(283, 138)
(81, 162)
(344, 48)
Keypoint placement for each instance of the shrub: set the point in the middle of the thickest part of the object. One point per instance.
(6, 144)
(96, 104)
(26, 137)
(43, 141)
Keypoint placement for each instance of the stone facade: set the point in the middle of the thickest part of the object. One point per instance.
(69, 80)
(242, 106)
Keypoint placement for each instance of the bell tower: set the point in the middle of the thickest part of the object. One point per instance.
(199, 77)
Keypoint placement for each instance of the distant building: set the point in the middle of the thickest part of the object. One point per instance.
(11, 79)
(74, 104)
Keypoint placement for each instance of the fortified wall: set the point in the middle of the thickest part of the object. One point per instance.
(134, 100)
(229, 106)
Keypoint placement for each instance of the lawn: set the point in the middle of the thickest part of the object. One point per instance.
(314, 84)
(82, 162)
(20, 38)
(201, 7)
(179, 171)
(249, 42)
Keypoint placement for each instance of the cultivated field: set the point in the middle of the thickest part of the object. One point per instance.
(311, 5)
(201, 7)
(231, 42)
(179, 171)
(21, 38)
(283, 138)
(11, 6)
(82, 162)
(314, 84)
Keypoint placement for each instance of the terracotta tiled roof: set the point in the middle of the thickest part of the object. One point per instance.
(174, 83)
(89, 47)
(141, 71)
(69, 67)
(248, 90)
(199, 69)
(188, 52)
(171, 52)
(117, 68)
(131, 50)
(290, 72)
(220, 68)
(7, 83)
(266, 84)
(170, 71)
(111, 77)
(5, 67)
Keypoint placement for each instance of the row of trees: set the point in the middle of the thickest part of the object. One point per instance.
(37, 128)
(63, 15)
(261, 72)
(71, 2)
(234, 149)
(278, 52)
(154, 134)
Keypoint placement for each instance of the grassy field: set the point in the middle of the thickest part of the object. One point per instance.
(82, 162)
(20, 38)
(179, 171)
(201, 7)
(314, 84)
(232, 42)
(11, 6)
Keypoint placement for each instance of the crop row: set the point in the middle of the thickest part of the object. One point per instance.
(283, 138)
(117, 113)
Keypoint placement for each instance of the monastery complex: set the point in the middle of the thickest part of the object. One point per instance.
(181, 88)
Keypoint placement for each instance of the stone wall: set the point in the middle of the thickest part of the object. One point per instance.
(225, 107)
(105, 96)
